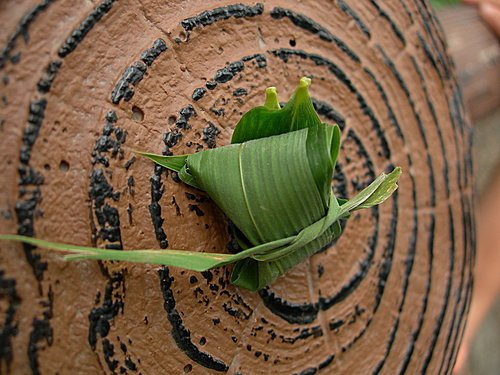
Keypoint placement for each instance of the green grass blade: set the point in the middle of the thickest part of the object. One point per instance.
(191, 260)
(384, 191)
(363, 195)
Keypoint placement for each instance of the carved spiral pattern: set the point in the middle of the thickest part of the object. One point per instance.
(85, 83)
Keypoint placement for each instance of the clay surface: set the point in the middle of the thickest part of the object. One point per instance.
(82, 83)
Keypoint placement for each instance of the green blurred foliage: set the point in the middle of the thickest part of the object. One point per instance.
(443, 3)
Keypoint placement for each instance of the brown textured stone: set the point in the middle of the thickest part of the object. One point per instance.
(390, 295)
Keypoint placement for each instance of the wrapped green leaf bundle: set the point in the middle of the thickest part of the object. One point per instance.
(273, 182)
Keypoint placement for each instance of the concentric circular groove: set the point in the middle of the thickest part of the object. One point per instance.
(400, 274)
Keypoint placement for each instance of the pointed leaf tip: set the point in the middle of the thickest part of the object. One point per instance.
(272, 101)
(305, 82)
(301, 93)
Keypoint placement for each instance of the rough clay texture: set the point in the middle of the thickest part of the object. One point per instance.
(82, 83)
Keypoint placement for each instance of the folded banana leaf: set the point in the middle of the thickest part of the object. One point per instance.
(273, 182)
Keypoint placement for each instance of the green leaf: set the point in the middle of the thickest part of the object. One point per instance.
(191, 260)
(335, 143)
(297, 114)
(384, 191)
(251, 183)
(274, 184)
(174, 163)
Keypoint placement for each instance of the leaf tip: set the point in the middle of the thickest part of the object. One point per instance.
(272, 101)
(305, 82)
(302, 91)
(397, 172)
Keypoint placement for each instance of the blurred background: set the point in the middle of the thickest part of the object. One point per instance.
(472, 29)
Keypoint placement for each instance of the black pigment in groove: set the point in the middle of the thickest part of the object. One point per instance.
(340, 182)
(293, 313)
(100, 317)
(334, 324)
(45, 83)
(240, 91)
(130, 364)
(416, 332)
(132, 76)
(390, 112)
(308, 371)
(408, 270)
(438, 31)
(85, 26)
(313, 370)
(129, 163)
(181, 335)
(456, 118)
(170, 139)
(455, 105)
(210, 133)
(30, 193)
(351, 13)
(182, 122)
(211, 85)
(259, 58)
(150, 55)
(30, 134)
(445, 62)
(108, 350)
(107, 145)
(222, 13)
(397, 31)
(459, 315)
(436, 125)
(9, 327)
(440, 319)
(442, 313)
(459, 335)
(326, 110)
(124, 89)
(404, 87)
(404, 5)
(107, 228)
(313, 27)
(227, 73)
(303, 333)
(384, 270)
(198, 93)
(41, 332)
(22, 30)
(430, 57)
(451, 252)
(328, 361)
(459, 328)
